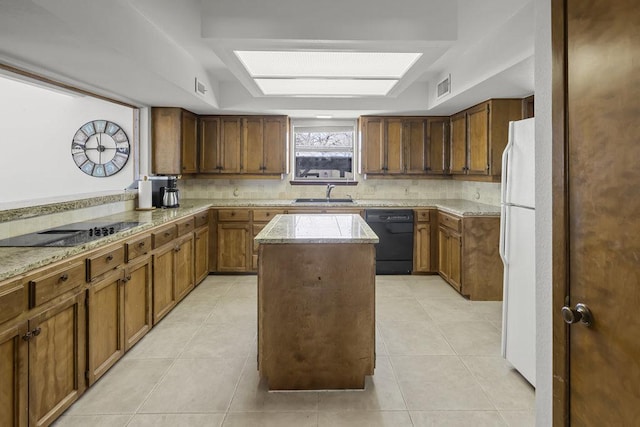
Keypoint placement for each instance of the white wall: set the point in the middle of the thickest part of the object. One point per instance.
(37, 126)
(544, 375)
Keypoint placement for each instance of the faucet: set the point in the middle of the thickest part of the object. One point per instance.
(329, 188)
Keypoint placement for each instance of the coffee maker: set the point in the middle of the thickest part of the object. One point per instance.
(169, 193)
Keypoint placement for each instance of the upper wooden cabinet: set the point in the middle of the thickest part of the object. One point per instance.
(403, 145)
(174, 141)
(479, 136)
(254, 145)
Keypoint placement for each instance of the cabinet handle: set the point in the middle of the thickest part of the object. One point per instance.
(167, 233)
(177, 249)
(64, 277)
(141, 245)
(27, 336)
(109, 258)
(36, 331)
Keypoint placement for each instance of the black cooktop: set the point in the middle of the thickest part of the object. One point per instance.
(74, 234)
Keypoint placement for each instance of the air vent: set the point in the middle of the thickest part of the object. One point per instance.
(200, 87)
(444, 87)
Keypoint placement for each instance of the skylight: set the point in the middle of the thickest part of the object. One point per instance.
(320, 73)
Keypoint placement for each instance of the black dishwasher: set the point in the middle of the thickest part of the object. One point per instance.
(394, 227)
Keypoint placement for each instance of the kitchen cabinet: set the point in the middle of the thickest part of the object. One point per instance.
(137, 287)
(468, 257)
(264, 144)
(261, 218)
(56, 359)
(184, 280)
(423, 252)
(14, 375)
(437, 146)
(230, 147)
(479, 136)
(403, 146)
(174, 141)
(450, 249)
(201, 254)
(233, 240)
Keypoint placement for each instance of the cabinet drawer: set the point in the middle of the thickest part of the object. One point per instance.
(164, 235)
(233, 215)
(450, 221)
(265, 215)
(422, 215)
(14, 299)
(104, 261)
(202, 218)
(56, 281)
(137, 247)
(186, 226)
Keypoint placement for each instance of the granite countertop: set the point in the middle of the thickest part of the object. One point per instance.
(454, 206)
(15, 261)
(305, 228)
(18, 260)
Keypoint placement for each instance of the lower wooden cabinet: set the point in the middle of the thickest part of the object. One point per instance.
(201, 254)
(449, 250)
(423, 240)
(233, 247)
(137, 301)
(14, 375)
(184, 280)
(56, 361)
(164, 297)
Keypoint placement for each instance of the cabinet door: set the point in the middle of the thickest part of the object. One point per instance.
(233, 247)
(56, 360)
(165, 139)
(415, 144)
(455, 261)
(253, 142)
(13, 376)
(164, 298)
(201, 255)
(438, 144)
(275, 145)
(458, 151)
(137, 301)
(443, 253)
(183, 257)
(422, 248)
(189, 142)
(105, 322)
(230, 144)
(478, 132)
(394, 147)
(373, 145)
(209, 138)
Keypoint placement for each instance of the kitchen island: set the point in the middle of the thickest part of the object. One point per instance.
(316, 299)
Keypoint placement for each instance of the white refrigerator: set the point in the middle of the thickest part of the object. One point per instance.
(517, 249)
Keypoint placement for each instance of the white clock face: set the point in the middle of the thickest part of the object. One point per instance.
(100, 148)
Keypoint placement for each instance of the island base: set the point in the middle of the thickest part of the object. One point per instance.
(316, 315)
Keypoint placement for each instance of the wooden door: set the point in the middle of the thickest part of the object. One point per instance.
(596, 204)
(56, 360)
(137, 301)
(275, 145)
(437, 145)
(164, 297)
(458, 150)
(201, 255)
(443, 252)
(373, 145)
(165, 140)
(415, 144)
(209, 138)
(233, 244)
(253, 138)
(13, 375)
(422, 248)
(184, 278)
(478, 139)
(189, 142)
(105, 322)
(455, 260)
(395, 157)
(230, 144)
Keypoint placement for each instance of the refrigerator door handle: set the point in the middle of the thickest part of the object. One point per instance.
(505, 163)
(503, 231)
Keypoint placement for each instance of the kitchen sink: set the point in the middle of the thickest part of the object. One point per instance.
(319, 200)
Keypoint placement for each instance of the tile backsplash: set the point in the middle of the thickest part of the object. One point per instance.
(482, 192)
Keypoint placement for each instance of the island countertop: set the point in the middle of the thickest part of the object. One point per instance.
(306, 228)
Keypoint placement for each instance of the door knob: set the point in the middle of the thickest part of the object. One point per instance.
(580, 313)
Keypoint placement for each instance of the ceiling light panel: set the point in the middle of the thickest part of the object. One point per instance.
(325, 87)
(390, 65)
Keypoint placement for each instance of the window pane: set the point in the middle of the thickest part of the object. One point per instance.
(323, 153)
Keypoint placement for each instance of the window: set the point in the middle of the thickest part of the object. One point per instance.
(324, 151)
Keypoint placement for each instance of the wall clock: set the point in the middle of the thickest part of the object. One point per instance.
(100, 148)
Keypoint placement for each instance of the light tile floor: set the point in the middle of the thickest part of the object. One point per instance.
(438, 364)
